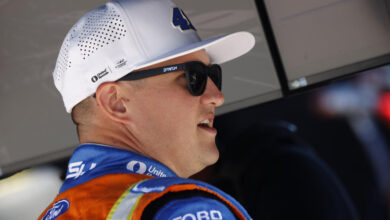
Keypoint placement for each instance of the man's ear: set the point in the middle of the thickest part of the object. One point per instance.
(111, 101)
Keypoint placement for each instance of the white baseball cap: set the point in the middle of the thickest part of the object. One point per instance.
(124, 35)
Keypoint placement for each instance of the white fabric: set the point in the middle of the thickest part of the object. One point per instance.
(123, 35)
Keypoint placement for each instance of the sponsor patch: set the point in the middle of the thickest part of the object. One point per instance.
(141, 189)
(77, 169)
(58, 209)
(201, 215)
(136, 167)
(100, 75)
(120, 63)
(141, 168)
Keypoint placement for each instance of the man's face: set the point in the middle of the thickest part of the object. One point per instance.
(166, 119)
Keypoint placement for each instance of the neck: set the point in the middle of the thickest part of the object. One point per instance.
(115, 134)
(105, 133)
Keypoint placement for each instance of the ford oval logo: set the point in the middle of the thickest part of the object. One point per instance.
(58, 208)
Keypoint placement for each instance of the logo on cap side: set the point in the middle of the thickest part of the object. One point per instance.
(120, 63)
(100, 75)
(181, 20)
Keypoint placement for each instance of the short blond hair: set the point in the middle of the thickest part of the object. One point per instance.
(83, 111)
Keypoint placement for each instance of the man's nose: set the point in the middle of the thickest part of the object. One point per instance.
(212, 95)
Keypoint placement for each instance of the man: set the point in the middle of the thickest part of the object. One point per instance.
(142, 89)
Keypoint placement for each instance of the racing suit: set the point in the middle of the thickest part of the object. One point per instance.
(104, 182)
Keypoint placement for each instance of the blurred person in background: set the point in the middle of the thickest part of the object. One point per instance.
(364, 102)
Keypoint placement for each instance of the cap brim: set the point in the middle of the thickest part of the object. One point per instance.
(220, 49)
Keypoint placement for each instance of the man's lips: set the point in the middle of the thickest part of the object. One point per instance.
(207, 123)
(208, 129)
(207, 120)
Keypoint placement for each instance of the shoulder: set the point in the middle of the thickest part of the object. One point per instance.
(179, 198)
(93, 199)
(195, 206)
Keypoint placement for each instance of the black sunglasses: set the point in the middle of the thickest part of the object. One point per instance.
(196, 74)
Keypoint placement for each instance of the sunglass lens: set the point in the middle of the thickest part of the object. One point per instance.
(216, 75)
(196, 81)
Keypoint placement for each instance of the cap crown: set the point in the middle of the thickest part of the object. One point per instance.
(112, 40)
(123, 35)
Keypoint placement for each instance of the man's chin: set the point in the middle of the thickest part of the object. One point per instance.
(212, 155)
(206, 171)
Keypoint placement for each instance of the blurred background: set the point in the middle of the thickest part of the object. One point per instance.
(304, 132)
(347, 125)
